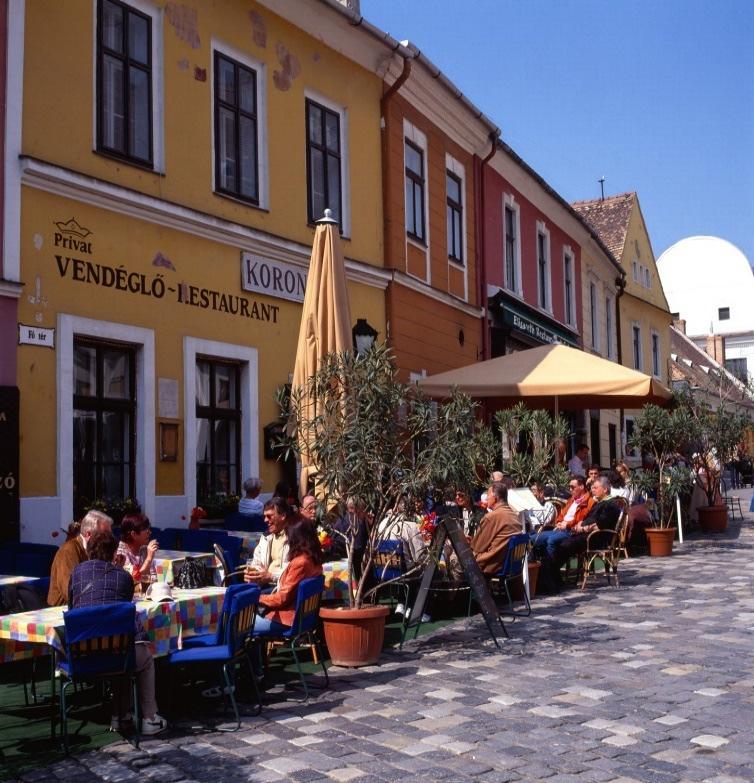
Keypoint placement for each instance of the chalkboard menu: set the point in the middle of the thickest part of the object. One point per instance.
(450, 527)
(9, 510)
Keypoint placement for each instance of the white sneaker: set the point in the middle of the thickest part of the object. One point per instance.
(153, 725)
(426, 618)
(116, 722)
(401, 609)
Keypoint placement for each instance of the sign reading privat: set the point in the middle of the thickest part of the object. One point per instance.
(273, 278)
(35, 335)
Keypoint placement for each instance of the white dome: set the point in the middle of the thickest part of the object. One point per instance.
(703, 276)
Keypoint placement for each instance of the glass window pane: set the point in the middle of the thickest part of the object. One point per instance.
(454, 189)
(112, 27)
(315, 124)
(418, 212)
(138, 38)
(332, 132)
(227, 150)
(139, 118)
(413, 160)
(202, 441)
(113, 482)
(84, 435)
(410, 217)
(225, 386)
(450, 230)
(333, 186)
(317, 184)
(202, 383)
(114, 448)
(113, 119)
(85, 370)
(222, 441)
(246, 90)
(248, 157)
(116, 381)
(226, 81)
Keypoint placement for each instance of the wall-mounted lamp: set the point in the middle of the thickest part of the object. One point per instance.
(364, 335)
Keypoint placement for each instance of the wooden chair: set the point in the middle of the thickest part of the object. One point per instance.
(600, 545)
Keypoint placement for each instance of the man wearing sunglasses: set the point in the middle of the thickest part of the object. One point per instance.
(573, 512)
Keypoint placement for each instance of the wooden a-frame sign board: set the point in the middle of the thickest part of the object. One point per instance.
(450, 527)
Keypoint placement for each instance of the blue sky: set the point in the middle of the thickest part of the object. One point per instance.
(657, 96)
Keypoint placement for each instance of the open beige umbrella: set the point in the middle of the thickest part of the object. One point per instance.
(551, 376)
(325, 319)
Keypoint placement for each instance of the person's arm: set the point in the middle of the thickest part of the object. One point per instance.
(285, 596)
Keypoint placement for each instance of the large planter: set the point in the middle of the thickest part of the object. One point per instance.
(517, 585)
(660, 540)
(354, 636)
(713, 519)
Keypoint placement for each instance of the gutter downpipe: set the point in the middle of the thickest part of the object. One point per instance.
(388, 260)
(620, 285)
(482, 241)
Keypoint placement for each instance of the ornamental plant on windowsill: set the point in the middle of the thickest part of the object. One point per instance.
(116, 508)
(219, 505)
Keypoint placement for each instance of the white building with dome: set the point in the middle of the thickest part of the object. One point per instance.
(709, 284)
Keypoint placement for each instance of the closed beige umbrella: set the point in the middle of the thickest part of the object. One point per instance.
(551, 376)
(325, 319)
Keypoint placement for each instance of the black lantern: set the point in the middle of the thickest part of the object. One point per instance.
(364, 336)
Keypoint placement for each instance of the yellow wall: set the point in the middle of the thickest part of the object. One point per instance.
(58, 122)
(121, 242)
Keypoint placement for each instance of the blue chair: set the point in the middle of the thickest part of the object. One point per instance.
(99, 644)
(168, 537)
(388, 568)
(196, 541)
(513, 567)
(231, 575)
(31, 559)
(251, 523)
(303, 631)
(236, 624)
(209, 639)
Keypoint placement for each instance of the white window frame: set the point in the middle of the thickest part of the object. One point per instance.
(418, 139)
(457, 168)
(69, 328)
(654, 340)
(260, 69)
(345, 157)
(248, 357)
(543, 231)
(158, 89)
(510, 202)
(569, 256)
(594, 314)
(635, 325)
(610, 325)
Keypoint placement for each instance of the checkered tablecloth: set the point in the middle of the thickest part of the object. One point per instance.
(336, 580)
(168, 562)
(15, 580)
(249, 541)
(192, 612)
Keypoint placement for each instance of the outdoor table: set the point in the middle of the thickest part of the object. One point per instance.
(168, 562)
(249, 541)
(336, 580)
(6, 580)
(191, 612)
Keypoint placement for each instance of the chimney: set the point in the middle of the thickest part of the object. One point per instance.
(716, 347)
(352, 5)
(680, 324)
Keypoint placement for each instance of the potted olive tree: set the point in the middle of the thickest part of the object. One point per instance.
(381, 441)
(714, 436)
(661, 433)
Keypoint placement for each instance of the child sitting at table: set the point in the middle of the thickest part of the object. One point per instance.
(136, 552)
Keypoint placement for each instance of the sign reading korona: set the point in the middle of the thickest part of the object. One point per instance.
(273, 278)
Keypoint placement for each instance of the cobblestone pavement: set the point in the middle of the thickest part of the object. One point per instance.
(652, 682)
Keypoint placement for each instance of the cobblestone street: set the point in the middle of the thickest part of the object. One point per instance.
(652, 682)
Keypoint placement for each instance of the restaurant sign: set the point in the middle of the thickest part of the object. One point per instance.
(273, 278)
(535, 330)
(9, 433)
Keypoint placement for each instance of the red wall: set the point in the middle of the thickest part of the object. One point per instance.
(495, 187)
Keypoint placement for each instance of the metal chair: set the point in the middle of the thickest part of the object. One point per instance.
(304, 628)
(99, 645)
(513, 568)
(601, 545)
(235, 626)
(388, 568)
(733, 502)
(230, 576)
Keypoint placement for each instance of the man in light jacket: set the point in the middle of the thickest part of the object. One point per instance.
(271, 553)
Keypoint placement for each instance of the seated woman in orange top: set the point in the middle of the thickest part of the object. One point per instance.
(305, 560)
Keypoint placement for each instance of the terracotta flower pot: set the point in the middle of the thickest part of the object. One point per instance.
(713, 519)
(660, 541)
(354, 636)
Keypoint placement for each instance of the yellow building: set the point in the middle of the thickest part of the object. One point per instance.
(170, 161)
(643, 313)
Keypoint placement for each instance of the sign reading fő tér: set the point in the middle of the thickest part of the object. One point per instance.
(273, 278)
